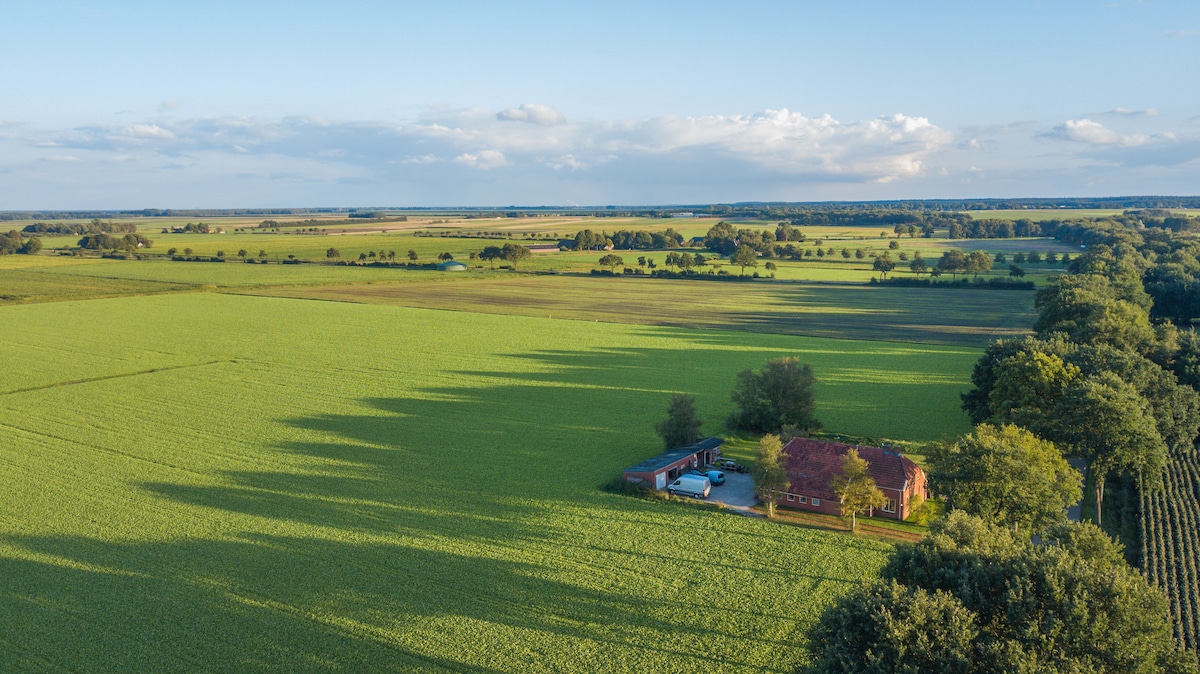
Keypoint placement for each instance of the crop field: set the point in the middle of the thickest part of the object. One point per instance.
(1171, 544)
(195, 486)
(29, 285)
(236, 274)
(948, 316)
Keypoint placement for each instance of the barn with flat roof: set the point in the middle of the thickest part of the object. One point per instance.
(661, 470)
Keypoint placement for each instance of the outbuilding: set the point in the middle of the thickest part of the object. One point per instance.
(812, 464)
(451, 265)
(661, 470)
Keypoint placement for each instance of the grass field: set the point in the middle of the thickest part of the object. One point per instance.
(210, 481)
(947, 316)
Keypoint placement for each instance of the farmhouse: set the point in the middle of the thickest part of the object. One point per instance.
(451, 265)
(812, 464)
(661, 470)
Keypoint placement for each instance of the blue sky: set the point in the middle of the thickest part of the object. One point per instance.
(224, 104)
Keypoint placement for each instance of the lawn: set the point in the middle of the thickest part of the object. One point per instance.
(212, 481)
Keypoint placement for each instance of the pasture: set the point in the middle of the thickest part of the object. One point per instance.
(211, 481)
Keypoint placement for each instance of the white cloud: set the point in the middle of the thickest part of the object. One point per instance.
(542, 115)
(1093, 133)
(484, 159)
(62, 158)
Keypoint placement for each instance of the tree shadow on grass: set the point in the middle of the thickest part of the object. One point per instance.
(417, 534)
(286, 604)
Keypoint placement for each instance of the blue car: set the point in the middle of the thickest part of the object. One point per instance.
(716, 477)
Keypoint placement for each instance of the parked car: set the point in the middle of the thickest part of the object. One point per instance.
(697, 486)
(716, 477)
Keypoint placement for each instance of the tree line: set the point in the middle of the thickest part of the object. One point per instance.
(96, 226)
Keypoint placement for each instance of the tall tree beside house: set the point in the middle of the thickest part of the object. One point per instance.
(770, 475)
(855, 488)
(682, 425)
(779, 395)
(1007, 476)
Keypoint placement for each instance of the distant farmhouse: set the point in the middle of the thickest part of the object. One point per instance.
(661, 470)
(812, 464)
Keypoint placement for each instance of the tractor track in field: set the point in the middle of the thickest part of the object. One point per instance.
(123, 375)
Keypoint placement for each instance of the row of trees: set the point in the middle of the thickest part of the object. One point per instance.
(95, 226)
(513, 254)
(628, 240)
(102, 241)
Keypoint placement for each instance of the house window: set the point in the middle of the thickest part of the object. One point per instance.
(791, 497)
(816, 501)
(889, 506)
(803, 499)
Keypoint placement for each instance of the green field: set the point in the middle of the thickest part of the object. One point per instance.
(210, 481)
(967, 317)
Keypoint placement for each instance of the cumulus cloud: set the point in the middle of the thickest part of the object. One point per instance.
(1093, 133)
(484, 159)
(521, 150)
(533, 113)
(62, 158)
(772, 143)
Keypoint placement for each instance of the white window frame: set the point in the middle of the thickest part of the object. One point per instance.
(894, 503)
(803, 499)
(816, 501)
(791, 497)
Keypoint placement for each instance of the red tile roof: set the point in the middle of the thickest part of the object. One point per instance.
(811, 465)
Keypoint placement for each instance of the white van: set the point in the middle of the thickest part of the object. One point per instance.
(690, 485)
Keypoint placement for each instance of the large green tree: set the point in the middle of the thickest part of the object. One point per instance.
(953, 262)
(745, 256)
(1007, 476)
(978, 262)
(515, 254)
(780, 394)
(1109, 423)
(612, 261)
(974, 598)
(682, 425)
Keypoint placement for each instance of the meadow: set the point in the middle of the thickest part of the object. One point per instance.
(212, 481)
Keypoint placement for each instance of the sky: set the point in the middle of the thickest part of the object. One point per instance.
(129, 105)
